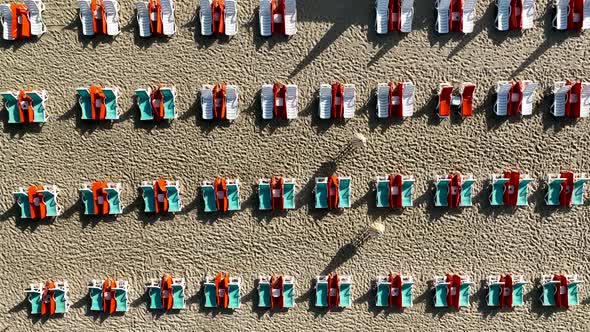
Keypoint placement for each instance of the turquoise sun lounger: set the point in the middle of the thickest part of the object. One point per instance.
(498, 188)
(155, 294)
(343, 192)
(11, 106)
(578, 191)
(178, 297)
(110, 104)
(38, 107)
(95, 294)
(440, 295)
(35, 299)
(554, 191)
(441, 197)
(234, 295)
(321, 294)
(264, 294)
(210, 292)
(466, 192)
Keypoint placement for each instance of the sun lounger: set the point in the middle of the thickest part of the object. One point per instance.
(231, 17)
(325, 105)
(232, 102)
(168, 21)
(34, 10)
(445, 95)
(443, 16)
(205, 18)
(466, 91)
(111, 8)
(290, 18)
(143, 19)
(468, 16)
(349, 99)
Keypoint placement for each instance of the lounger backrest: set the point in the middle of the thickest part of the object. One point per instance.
(559, 100)
(168, 21)
(143, 19)
(382, 16)
(585, 100)
(562, 12)
(528, 14)
(468, 15)
(6, 16)
(267, 100)
(231, 17)
(207, 103)
(528, 98)
(231, 101)
(408, 99)
(586, 19)
(325, 104)
(382, 100)
(265, 16)
(111, 8)
(206, 18)
(349, 98)
(442, 19)
(503, 97)
(34, 12)
(503, 18)
(407, 15)
(291, 100)
(290, 17)
(86, 17)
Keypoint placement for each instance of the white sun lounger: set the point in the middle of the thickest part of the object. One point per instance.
(586, 18)
(6, 16)
(382, 16)
(265, 17)
(408, 99)
(560, 94)
(231, 17)
(325, 107)
(207, 102)
(383, 100)
(503, 17)
(231, 100)
(528, 97)
(442, 19)
(407, 16)
(349, 99)
(206, 18)
(291, 101)
(168, 21)
(562, 8)
(503, 91)
(143, 19)
(468, 15)
(267, 101)
(86, 17)
(528, 14)
(290, 17)
(34, 9)
(111, 8)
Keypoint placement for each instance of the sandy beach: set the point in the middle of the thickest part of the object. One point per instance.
(335, 42)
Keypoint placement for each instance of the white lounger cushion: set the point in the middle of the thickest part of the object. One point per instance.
(407, 15)
(408, 99)
(290, 17)
(231, 17)
(586, 19)
(111, 9)
(6, 14)
(265, 16)
(528, 14)
(442, 19)
(503, 18)
(585, 100)
(382, 16)
(231, 102)
(468, 15)
(267, 101)
(291, 101)
(562, 8)
(143, 19)
(349, 97)
(325, 107)
(503, 92)
(528, 97)
(206, 18)
(382, 100)
(207, 102)
(86, 17)
(34, 9)
(560, 98)
(168, 21)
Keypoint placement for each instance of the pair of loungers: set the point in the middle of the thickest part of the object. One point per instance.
(22, 20)
(167, 293)
(156, 18)
(394, 291)
(333, 291)
(49, 298)
(513, 98)
(109, 295)
(560, 290)
(38, 202)
(25, 106)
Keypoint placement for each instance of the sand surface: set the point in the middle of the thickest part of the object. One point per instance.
(335, 41)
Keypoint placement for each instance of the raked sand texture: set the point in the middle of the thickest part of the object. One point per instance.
(335, 41)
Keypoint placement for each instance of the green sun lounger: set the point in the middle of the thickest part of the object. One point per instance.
(50, 203)
(234, 296)
(38, 108)
(572, 293)
(383, 291)
(493, 296)
(209, 198)
(178, 297)
(110, 102)
(143, 103)
(440, 295)
(155, 294)
(441, 198)
(554, 191)
(466, 192)
(518, 294)
(36, 301)
(121, 298)
(523, 192)
(289, 195)
(173, 199)
(383, 194)
(321, 195)
(169, 106)
(288, 295)
(210, 292)
(464, 294)
(407, 189)
(578, 192)
(88, 200)
(264, 294)
(95, 294)
(233, 197)
(548, 295)
(23, 202)
(345, 294)
(114, 201)
(11, 106)
(321, 294)
(61, 305)
(343, 192)
(85, 105)
(406, 294)
(149, 199)
(498, 187)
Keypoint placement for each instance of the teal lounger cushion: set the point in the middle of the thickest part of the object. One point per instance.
(95, 294)
(264, 295)
(498, 187)
(149, 199)
(518, 294)
(155, 294)
(344, 193)
(114, 201)
(494, 292)
(233, 197)
(288, 296)
(345, 300)
(289, 195)
(110, 104)
(121, 298)
(382, 194)
(440, 295)
(50, 204)
(35, 298)
(578, 193)
(234, 296)
(210, 295)
(548, 296)
(11, 106)
(87, 199)
(264, 196)
(442, 194)
(84, 101)
(173, 199)
(407, 188)
(321, 294)
(177, 297)
(464, 294)
(321, 195)
(209, 198)
(61, 305)
(143, 103)
(169, 107)
(406, 294)
(523, 192)
(38, 109)
(466, 192)
(572, 294)
(382, 299)
(23, 202)
(554, 191)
